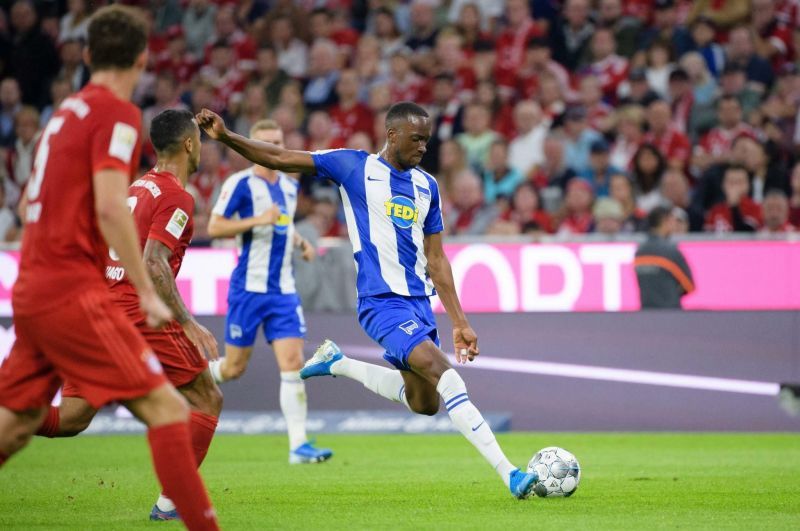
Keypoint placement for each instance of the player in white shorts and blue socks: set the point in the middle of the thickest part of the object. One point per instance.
(394, 220)
(257, 206)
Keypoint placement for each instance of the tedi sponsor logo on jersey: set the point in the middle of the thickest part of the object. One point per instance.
(282, 224)
(402, 211)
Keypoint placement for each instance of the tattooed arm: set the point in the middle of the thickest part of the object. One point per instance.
(156, 259)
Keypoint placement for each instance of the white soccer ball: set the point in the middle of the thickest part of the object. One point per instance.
(558, 470)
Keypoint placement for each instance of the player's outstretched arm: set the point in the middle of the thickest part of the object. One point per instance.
(465, 339)
(261, 153)
(222, 227)
(116, 224)
(156, 259)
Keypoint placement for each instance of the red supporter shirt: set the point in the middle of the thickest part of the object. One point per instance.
(510, 45)
(348, 122)
(673, 144)
(720, 217)
(719, 141)
(63, 252)
(610, 72)
(162, 210)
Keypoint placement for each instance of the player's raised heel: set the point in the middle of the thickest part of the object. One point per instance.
(522, 483)
(157, 515)
(320, 363)
(306, 454)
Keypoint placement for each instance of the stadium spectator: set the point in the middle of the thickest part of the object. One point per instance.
(520, 28)
(452, 161)
(741, 51)
(724, 13)
(636, 90)
(666, 28)
(554, 171)
(499, 178)
(629, 122)
(166, 14)
(350, 116)
(198, 25)
(794, 198)
(682, 102)
(704, 33)
(471, 26)
(537, 63)
(502, 111)
(292, 52)
(765, 172)
(659, 67)
(468, 214)
(404, 83)
(223, 74)
(775, 208)
(390, 39)
(704, 86)
(551, 96)
(571, 35)
(662, 272)
(75, 22)
(738, 213)
(176, 58)
(598, 112)
(72, 65)
(20, 157)
(423, 31)
(10, 104)
(323, 73)
(226, 30)
(733, 82)
(671, 143)
(575, 216)
(477, 136)
(649, 166)
(372, 71)
(9, 228)
(204, 185)
(33, 60)
(449, 58)
(600, 169)
(621, 189)
(269, 74)
(716, 145)
(608, 217)
(626, 28)
(488, 11)
(524, 213)
(526, 151)
(579, 138)
(60, 88)
(772, 36)
(252, 109)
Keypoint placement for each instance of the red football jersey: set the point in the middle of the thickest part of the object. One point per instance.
(162, 210)
(63, 252)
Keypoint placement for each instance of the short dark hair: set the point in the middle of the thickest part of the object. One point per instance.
(117, 35)
(657, 216)
(403, 111)
(169, 128)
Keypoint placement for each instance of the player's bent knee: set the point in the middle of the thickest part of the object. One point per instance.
(161, 406)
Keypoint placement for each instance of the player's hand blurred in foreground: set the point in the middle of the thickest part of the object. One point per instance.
(211, 123)
(156, 312)
(269, 216)
(309, 253)
(202, 338)
(465, 341)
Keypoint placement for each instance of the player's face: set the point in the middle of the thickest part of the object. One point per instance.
(408, 139)
(272, 136)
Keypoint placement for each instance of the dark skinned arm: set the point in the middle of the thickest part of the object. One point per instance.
(156, 259)
(465, 339)
(261, 153)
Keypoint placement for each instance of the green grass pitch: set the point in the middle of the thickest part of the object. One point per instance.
(418, 482)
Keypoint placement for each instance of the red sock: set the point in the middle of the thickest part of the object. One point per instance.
(49, 427)
(176, 469)
(202, 428)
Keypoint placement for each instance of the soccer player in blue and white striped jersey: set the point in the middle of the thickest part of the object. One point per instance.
(257, 206)
(393, 213)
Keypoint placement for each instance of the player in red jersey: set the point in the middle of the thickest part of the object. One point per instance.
(67, 325)
(162, 210)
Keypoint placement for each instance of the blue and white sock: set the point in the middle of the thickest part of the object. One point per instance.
(469, 421)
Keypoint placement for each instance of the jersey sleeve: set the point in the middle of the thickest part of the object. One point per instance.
(337, 164)
(433, 221)
(115, 139)
(230, 198)
(171, 218)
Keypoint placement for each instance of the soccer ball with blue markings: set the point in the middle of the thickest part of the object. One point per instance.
(558, 470)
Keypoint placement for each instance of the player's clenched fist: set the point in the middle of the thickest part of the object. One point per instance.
(211, 123)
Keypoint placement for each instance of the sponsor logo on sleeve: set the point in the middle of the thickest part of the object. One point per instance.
(123, 142)
(177, 223)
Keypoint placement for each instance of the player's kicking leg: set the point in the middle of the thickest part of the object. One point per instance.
(430, 378)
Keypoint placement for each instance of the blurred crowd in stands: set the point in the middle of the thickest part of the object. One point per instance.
(550, 117)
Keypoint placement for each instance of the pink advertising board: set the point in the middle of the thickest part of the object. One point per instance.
(544, 277)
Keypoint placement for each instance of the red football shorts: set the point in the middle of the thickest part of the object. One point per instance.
(89, 342)
(181, 360)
